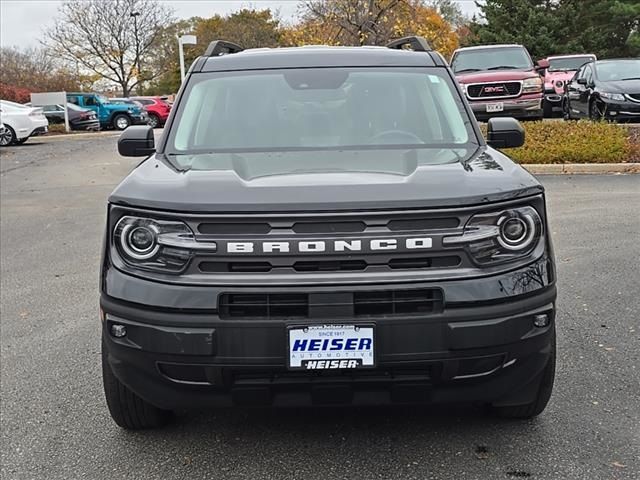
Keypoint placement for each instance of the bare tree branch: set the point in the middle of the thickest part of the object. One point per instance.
(114, 39)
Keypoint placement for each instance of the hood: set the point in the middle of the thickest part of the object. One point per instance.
(487, 176)
(495, 76)
(620, 86)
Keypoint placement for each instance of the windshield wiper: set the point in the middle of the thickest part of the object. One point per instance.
(632, 78)
(504, 67)
(468, 70)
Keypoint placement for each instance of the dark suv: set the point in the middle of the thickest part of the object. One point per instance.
(325, 226)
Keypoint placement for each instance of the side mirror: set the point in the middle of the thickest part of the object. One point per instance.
(505, 132)
(137, 141)
(543, 64)
(582, 81)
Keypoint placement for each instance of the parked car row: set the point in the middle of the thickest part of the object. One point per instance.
(86, 111)
(20, 122)
(502, 80)
(79, 118)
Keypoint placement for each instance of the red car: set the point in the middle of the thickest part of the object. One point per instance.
(499, 81)
(157, 108)
(561, 70)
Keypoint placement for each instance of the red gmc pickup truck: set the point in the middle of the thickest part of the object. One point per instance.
(500, 81)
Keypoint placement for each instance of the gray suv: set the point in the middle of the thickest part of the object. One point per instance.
(325, 226)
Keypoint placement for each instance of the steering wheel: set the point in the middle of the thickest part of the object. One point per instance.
(390, 137)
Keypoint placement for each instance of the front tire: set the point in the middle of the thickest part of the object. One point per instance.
(547, 109)
(537, 406)
(127, 409)
(594, 112)
(121, 122)
(8, 137)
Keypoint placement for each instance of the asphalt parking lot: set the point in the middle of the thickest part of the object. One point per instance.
(54, 420)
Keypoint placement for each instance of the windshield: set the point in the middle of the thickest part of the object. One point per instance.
(319, 109)
(568, 64)
(612, 71)
(474, 60)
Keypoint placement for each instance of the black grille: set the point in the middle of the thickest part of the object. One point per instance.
(234, 228)
(375, 303)
(267, 305)
(397, 263)
(500, 89)
(330, 266)
(357, 229)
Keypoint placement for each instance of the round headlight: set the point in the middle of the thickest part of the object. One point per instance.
(559, 84)
(139, 241)
(516, 232)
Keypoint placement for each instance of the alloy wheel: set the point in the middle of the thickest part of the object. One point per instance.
(7, 136)
(153, 121)
(122, 122)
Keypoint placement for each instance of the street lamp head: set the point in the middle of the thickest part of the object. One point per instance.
(134, 14)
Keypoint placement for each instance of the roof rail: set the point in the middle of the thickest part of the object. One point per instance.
(418, 44)
(221, 47)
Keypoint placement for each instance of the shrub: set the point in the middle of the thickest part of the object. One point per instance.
(574, 142)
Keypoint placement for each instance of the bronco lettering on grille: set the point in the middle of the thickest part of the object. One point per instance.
(333, 246)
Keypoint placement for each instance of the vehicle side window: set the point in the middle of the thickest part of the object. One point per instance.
(144, 101)
(588, 74)
(73, 100)
(90, 101)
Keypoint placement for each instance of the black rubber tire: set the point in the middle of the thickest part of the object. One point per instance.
(127, 409)
(21, 141)
(9, 137)
(536, 407)
(116, 121)
(547, 109)
(594, 112)
(154, 120)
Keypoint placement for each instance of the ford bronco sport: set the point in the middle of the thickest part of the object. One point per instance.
(325, 226)
(500, 81)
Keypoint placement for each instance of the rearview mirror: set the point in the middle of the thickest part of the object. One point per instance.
(137, 141)
(505, 133)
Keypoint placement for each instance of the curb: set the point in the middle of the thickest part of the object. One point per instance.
(582, 168)
(74, 136)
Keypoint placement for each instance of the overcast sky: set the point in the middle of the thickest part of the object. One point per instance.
(22, 21)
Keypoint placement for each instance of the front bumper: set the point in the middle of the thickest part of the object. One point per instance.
(86, 125)
(626, 111)
(141, 119)
(524, 107)
(479, 350)
(554, 98)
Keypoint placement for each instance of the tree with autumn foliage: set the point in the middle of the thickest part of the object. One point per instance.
(369, 22)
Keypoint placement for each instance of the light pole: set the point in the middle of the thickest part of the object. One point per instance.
(136, 64)
(184, 40)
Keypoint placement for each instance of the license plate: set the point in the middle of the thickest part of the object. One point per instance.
(495, 107)
(331, 347)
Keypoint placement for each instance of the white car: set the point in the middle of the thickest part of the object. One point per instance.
(20, 123)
